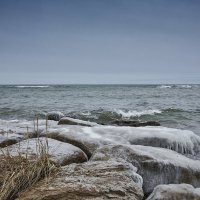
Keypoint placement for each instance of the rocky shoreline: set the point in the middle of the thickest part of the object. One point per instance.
(112, 161)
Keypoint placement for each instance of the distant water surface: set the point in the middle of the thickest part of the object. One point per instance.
(176, 106)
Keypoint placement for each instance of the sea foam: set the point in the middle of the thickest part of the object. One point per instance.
(134, 113)
(32, 86)
(165, 86)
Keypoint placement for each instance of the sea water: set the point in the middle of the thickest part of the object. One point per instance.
(176, 106)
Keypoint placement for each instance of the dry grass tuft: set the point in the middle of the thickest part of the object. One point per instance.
(20, 173)
(17, 173)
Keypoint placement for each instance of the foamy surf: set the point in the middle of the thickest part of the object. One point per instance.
(175, 86)
(134, 113)
(185, 86)
(165, 86)
(32, 86)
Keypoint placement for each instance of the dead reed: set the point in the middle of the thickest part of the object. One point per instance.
(17, 173)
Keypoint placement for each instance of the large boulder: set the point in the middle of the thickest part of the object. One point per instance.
(59, 152)
(156, 165)
(175, 192)
(71, 121)
(81, 137)
(181, 141)
(91, 180)
(90, 138)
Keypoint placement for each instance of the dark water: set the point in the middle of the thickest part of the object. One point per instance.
(176, 106)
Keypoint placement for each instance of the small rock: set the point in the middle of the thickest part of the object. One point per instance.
(56, 116)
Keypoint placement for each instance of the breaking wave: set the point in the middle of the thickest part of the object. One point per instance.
(165, 86)
(175, 86)
(185, 86)
(32, 86)
(134, 113)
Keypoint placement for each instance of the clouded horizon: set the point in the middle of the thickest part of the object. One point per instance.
(99, 41)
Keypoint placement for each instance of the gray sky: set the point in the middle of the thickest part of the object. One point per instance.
(99, 41)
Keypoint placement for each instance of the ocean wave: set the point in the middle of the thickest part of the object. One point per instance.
(174, 110)
(86, 113)
(134, 113)
(165, 86)
(175, 86)
(32, 86)
(184, 86)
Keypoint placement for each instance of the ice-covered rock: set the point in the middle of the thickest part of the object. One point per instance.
(91, 180)
(182, 141)
(59, 152)
(56, 116)
(78, 136)
(24, 127)
(156, 165)
(71, 121)
(175, 192)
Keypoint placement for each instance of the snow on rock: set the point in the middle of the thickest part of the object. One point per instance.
(71, 121)
(59, 152)
(175, 192)
(92, 180)
(156, 165)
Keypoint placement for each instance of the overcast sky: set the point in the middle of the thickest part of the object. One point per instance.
(99, 41)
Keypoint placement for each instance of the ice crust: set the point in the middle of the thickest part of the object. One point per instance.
(181, 141)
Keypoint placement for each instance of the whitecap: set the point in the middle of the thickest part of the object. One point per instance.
(134, 113)
(86, 113)
(185, 86)
(32, 86)
(165, 86)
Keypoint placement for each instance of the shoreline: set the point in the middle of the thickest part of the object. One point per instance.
(148, 153)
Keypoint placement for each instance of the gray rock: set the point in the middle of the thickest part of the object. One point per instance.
(90, 138)
(175, 192)
(9, 139)
(59, 152)
(92, 180)
(71, 121)
(156, 165)
(134, 123)
(56, 116)
(181, 141)
(80, 137)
